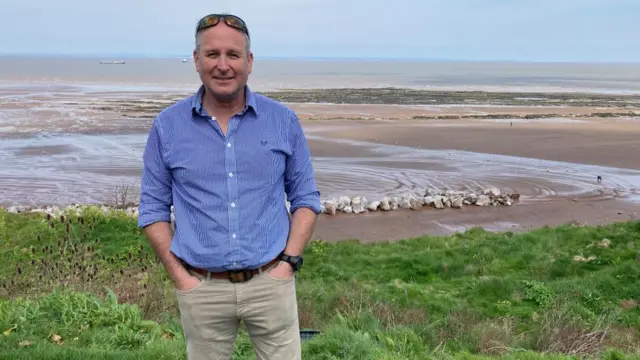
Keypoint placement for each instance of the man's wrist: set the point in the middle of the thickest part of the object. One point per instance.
(181, 277)
(294, 261)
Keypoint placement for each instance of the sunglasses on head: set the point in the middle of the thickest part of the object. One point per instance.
(214, 19)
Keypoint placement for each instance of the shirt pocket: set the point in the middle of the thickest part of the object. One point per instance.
(261, 163)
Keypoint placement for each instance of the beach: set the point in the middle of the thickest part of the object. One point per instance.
(73, 140)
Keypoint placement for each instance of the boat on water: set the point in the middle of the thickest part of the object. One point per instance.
(116, 62)
(186, 60)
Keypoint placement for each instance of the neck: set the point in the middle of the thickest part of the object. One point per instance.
(223, 106)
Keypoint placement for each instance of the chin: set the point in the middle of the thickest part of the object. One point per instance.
(224, 93)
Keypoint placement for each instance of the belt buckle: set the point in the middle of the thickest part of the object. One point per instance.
(240, 276)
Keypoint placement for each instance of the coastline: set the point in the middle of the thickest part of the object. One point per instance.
(76, 148)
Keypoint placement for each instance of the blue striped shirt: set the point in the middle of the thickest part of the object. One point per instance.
(228, 191)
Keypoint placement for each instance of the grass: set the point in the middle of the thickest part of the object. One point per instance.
(77, 287)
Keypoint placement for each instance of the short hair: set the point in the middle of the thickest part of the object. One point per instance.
(247, 38)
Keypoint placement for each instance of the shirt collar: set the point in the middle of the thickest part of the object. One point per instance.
(196, 102)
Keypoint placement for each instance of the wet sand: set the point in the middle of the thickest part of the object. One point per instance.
(599, 142)
(404, 224)
(560, 160)
(79, 147)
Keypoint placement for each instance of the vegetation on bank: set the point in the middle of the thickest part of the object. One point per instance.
(408, 96)
(611, 105)
(78, 287)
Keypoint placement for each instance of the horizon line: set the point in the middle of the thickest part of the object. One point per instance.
(312, 58)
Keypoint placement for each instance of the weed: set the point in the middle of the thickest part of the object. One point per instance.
(85, 284)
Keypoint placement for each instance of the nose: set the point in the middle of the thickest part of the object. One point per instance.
(223, 63)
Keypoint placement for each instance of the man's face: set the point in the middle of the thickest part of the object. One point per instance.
(222, 62)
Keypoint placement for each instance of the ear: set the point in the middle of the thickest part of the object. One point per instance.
(250, 62)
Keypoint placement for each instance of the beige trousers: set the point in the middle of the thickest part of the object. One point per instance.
(212, 311)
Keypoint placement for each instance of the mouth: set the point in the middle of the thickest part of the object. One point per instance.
(223, 79)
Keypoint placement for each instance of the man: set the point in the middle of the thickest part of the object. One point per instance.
(225, 158)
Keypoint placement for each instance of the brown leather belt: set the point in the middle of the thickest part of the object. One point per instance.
(235, 276)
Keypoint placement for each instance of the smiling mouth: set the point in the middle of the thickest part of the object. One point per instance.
(223, 79)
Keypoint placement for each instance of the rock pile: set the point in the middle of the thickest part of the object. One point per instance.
(76, 209)
(431, 198)
(343, 204)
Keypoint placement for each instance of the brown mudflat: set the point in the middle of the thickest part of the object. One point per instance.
(601, 142)
(403, 224)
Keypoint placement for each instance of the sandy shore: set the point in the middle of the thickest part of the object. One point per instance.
(604, 142)
(28, 112)
(76, 148)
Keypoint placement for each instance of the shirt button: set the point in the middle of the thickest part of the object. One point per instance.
(233, 205)
(228, 144)
(233, 236)
(230, 174)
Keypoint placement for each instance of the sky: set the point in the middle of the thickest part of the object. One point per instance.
(470, 30)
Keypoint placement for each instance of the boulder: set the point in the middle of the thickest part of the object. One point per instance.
(131, 210)
(431, 192)
(373, 206)
(343, 201)
(394, 202)
(16, 209)
(330, 207)
(358, 204)
(452, 193)
(457, 202)
(492, 191)
(385, 204)
(429, 200)
(470, 198)
(483, 200)
(416, 203)
(405, 202)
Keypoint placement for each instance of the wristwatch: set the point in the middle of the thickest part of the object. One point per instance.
(295, 261)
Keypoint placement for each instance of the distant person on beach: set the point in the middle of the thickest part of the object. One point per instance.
(225, 157)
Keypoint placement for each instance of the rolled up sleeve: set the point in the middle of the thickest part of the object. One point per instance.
(300, 184)
(155, 188)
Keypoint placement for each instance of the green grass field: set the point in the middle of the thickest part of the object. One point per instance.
(90, 287)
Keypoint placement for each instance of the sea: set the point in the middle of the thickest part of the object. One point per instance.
(273, 74)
